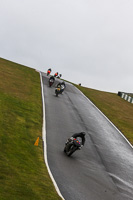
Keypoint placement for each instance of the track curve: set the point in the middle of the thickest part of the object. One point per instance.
(103, 168)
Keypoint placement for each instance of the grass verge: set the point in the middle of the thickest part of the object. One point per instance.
(119, 111)
(23, 174)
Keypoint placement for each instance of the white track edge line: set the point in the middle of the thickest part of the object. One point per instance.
(45, 144)
(106, 118)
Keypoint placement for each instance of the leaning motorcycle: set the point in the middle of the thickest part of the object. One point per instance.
(72, 146)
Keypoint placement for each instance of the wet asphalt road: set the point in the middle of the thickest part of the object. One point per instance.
(103, 169)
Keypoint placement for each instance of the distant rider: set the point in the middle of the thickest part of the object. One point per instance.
(58, 85)
(59, 76)
(49, 71)
(61, 85)
(52, 78)
(56, 74)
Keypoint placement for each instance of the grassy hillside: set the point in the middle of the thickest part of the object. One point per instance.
(119, 111)
(23, 174)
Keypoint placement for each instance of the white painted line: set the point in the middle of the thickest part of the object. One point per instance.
(106, 118)
(45, 143)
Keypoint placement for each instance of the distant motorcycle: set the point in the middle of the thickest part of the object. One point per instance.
(72, 146)
(48, 71)
(51, 81)
(56, 74)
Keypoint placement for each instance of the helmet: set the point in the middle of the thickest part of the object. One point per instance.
(83, 133)
(63, 83)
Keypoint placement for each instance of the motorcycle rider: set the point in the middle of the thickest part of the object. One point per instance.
(52, 78)
(59, 76)
(75, 136)
(58, 85)
(49, 71)
(56, 74)
(61, 85)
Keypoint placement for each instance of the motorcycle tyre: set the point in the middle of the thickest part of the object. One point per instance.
(65, 149)
(69, 153)
(56, 94)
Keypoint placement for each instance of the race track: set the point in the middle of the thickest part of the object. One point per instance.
(103, 169)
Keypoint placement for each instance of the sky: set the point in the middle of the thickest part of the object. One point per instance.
(87, 41)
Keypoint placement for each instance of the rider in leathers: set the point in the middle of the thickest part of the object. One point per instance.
(52, 78)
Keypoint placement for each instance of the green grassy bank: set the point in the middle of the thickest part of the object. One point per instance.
(119, 111)
(23, 174)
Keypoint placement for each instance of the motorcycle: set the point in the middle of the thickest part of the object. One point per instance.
(57, 91)
(56, 74)
(51, 81)
(72, 146)
(48, 72)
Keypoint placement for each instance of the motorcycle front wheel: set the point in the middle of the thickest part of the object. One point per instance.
(71, 150)
(56, 93)
(65, 149)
